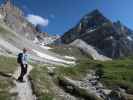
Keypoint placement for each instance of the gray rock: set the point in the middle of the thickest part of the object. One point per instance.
(14, 18)
(110, 39)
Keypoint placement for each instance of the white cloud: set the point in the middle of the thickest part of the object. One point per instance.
(35, 20)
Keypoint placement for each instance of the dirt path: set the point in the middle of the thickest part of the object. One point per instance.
(23, 90)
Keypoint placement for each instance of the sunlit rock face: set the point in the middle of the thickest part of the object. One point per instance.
(14, 18)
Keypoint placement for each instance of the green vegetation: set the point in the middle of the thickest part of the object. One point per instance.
(116, 73)
(42, 83)
(2, 30)
(5, 86)
(75, 72)
(7, 65)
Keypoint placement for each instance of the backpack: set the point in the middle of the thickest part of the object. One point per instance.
(19, 58)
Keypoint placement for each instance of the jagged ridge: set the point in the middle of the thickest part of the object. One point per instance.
(112, 39)
(15, 19)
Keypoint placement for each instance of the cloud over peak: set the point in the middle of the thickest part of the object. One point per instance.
(37, 20)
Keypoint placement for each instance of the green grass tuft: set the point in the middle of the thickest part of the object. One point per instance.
(7, 65)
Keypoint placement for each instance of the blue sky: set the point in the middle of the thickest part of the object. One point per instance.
(64, 14)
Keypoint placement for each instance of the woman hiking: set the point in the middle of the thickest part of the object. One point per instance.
(23, 61)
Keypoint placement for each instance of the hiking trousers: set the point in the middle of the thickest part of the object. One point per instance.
(23, 71)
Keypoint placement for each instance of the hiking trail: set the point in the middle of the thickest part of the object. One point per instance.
(23, 90)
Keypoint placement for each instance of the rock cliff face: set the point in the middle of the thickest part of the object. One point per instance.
(112, 39)
(14, 18)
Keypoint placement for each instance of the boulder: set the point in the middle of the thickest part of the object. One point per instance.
(70, 86)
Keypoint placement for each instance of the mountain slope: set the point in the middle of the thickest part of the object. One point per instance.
(15, 18)
(12, 43)
(112, 39)
(90, 50)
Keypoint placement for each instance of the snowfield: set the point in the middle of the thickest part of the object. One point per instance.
(129, 38)
(70, 57)
(46, 56)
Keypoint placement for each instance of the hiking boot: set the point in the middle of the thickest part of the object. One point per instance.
(20, 80)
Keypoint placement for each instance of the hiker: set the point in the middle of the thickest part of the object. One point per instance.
(23, 61)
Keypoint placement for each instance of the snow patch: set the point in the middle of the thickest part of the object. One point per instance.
(35, 40)
(129, 38)
(45, 47)
(91, 30)
(46, 56)
(70, 57)
(111, 37)
(1, 17)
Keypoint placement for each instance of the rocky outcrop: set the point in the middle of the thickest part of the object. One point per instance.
(14, 18)
(112, 39)
(120, 94)
(89, 88)
(50, 39)
(77, 91)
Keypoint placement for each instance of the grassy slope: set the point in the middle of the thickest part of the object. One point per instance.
(7, 65)
(115, 73)
(2, 30)
(42, 83)
(118, 73)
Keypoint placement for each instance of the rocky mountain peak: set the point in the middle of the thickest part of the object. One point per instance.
(91, 21)
(94, 18)
(112, 39)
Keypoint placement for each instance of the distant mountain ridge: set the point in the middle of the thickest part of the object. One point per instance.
(113, 39)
